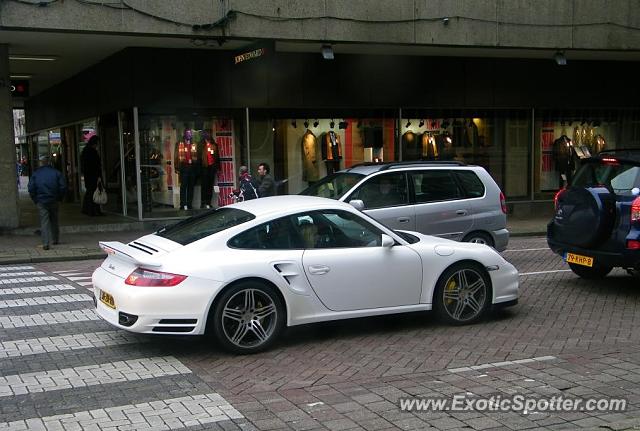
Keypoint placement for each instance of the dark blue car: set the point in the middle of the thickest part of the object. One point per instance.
(596, 226)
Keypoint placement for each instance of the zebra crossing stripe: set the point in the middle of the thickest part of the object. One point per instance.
(42, 300)
(27, 280)
(23, 273)
(35, 289)
(79, 278)
(91, 375)
(85, 283)
(65, 273)
(156, 415)
(15, 268)
(8, 322)
(63, 343)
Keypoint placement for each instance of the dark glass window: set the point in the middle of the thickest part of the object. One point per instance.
(274, 235)
(382, 191)
(195, 228)
(435, 185)
(335, 229)
(471, 184)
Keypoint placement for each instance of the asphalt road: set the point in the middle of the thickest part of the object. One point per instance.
(62, 368)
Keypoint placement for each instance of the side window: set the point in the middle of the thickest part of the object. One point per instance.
(471, 184)
(274, 235)
(435, 185)
(382, 191)
(335, 229)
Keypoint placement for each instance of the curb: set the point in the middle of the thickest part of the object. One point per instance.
(57, 258)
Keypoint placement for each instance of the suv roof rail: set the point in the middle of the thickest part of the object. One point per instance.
(388, 165)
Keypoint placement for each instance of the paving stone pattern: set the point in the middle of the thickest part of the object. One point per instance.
(567, 337)
(106, 379)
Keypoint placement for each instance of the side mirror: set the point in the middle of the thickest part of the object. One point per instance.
(357, 204)
(387, 241)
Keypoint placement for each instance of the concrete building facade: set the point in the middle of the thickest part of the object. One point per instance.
(500, 83)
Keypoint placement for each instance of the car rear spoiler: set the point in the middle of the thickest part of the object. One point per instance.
(125, 252)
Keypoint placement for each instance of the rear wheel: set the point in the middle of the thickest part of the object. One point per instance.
(463, 294)
(591, 273)
(248, 318)
(479, 238)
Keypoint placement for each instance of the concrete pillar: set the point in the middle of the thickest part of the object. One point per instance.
(9, 212)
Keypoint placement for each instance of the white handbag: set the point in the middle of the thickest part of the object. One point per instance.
(100, 195)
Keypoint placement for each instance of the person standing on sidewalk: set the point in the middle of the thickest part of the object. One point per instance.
(267, 186)
(91, 168)
(46, 188)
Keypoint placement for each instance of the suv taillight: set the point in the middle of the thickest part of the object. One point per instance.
(503, 203)
(147, 277)
(557, 196)
(635, 210)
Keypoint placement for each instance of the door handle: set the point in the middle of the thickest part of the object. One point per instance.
(461, 212)
(319, 269)
(403, 219)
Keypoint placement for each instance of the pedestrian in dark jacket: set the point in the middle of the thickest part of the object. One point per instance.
(267, 186)
(91, 168)
(247, 188)
(46, 188)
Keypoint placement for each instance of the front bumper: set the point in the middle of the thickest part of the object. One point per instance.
(180, 310)
(500, 239)
(506, 283)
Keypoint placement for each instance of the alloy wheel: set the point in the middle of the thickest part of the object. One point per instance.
(249, 318)
(464, 295)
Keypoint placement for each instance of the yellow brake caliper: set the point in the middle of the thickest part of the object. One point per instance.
(451, 286)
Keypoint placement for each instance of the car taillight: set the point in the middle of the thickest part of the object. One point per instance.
(633, 244)
(147, 277)
(503, 203)
(557, 196)
(610, 161)
(635, 210)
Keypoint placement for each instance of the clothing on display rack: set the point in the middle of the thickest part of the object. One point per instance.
(187, 165)
(310, 168)
(331, 151)
(210, 166)
(429, 147)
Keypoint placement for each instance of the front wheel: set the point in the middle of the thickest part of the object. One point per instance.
(463, 294)
(591, 273)
(248, 318)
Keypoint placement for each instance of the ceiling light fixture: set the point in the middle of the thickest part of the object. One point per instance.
(408, 124)
(31, 58)
(560, 58)
(315, 123)
(332, 123)
(421, 123)
(327, 52)
(306, 124)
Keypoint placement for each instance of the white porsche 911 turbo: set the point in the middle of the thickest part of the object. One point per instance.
(244, 271)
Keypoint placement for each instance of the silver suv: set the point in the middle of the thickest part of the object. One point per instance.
(446, 199)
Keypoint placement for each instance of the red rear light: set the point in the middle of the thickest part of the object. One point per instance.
(633, 244)
(147, 277)
(610, 161)
(557, 196)
(503, 203)
(635, 210)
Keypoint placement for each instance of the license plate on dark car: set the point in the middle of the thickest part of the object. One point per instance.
(579, 259)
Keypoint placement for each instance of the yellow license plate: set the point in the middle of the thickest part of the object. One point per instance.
(579, 259)
(107, 300)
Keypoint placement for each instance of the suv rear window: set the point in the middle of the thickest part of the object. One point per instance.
(618, 176)
(195, 228)
(472, 185)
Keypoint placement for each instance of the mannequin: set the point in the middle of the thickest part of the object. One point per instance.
(310, 171)
(210, 166)
(429, 147)
(186, 165)
(331, 151)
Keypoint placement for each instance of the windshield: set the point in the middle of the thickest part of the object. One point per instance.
(195, 228)
(616, 175)
(333, 186)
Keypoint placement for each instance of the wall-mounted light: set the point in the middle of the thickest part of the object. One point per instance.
(327, 52)
(445, 21)
(421, 123)
(306, 124)
(408, 124)
(315, 123)
(332, 123)
(560, 58)
(32, 58)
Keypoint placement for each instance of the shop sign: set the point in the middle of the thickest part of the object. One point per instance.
(249, 55)
(19, 88)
